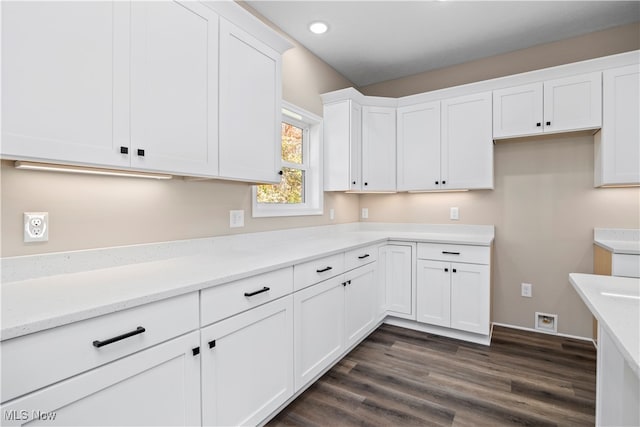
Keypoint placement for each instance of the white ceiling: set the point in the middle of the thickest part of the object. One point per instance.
(373, 41)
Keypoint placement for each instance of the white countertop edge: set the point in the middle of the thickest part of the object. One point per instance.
(577, 281)
(619, 246)
(354, 240)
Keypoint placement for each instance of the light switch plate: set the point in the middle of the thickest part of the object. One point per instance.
(236, 218)
(454, 214)
(365, 213)
(332, 214)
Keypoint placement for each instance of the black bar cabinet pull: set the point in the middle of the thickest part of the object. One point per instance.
(450, 253)
(195, 351)
(446, 270)
(454, 270)
(548, 123)
(322, 270)
(212, 343)
(538, 124)
(250, 294)
(99, 344)
(140, 152)
(124, 150)
(363, 256)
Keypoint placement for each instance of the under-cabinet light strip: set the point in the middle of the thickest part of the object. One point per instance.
(86, 170)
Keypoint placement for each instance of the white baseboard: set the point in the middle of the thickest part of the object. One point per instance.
(522, 328)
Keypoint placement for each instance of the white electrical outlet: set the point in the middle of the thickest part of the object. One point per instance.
(526, 290)
(236, 218)
(454, 214)
(36, 227)
(332, 214)
(365, 213)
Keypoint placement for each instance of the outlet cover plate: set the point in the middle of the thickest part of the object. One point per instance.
(365, 213)
(36, 227)
(236, 218)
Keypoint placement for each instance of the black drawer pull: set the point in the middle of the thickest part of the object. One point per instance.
(363, 256)
(99, 344)
(446, 270)
(195, 351)
(140, 152)
(212, 344)
(450, 253)
(454, 270)
(548, 123)
(250, 294)
(322, 270)
(124, 150)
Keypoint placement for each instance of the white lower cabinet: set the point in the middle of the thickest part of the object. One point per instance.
(330, 317)
(360, 299)
(397, 277)
(157, 386)
(454, 294)
(247, 365)
(319, 324)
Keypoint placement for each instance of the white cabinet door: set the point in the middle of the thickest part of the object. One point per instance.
(318, 328)
(246, 365)
(250, 107)
(418, 147)
(65, 81)
(617, 148)
(517, 111)
(174, 87)
(342, 134)
(467, 142)
(470, 297)
(573, 103)
(360, 303)
(158, 386)
(378, 148)
(395, 270)
(433, 293)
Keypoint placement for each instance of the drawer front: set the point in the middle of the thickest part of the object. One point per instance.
(232, 298)
(36, 360)
(625, 265)
(361, 256)
(454, 253)
(317, 270)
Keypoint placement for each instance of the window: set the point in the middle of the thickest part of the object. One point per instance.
(300, 190)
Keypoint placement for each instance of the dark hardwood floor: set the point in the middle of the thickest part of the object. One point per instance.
(399, 377)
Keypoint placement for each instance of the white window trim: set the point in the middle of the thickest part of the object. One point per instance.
(313, 191)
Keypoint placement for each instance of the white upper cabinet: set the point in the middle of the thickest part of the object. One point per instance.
(174, 87)
(359, 147)
(250, 106)
(561, 105)
(165, 86)
(617, 145)
(342, 145)
(466, 144)
(65, 81)
(418, 145)
(517, 111)
(573, 103)
(378, 149)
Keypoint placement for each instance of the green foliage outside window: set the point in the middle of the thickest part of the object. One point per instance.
(291, 187)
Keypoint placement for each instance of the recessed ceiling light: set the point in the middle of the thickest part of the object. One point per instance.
(318, 27)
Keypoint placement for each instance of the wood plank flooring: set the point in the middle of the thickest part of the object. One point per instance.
(399, 377)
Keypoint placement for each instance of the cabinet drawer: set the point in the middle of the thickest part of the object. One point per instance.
(232, 298)
(36, 360)
(455, 253)
(625, 265)
(361, 256)
(317, 270)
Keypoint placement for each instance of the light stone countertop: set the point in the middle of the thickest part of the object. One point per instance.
(615, 302)
(45, 291)
(618, 240)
